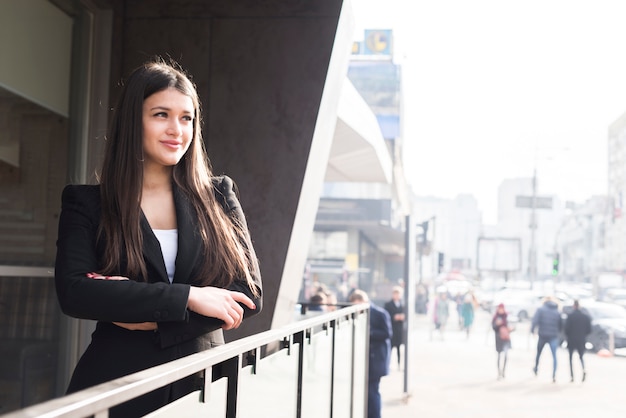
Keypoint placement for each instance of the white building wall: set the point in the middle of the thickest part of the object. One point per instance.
(514, 222)
(454, 231)
(616, 228)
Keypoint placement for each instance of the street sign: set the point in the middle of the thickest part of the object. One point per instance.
(541, 202)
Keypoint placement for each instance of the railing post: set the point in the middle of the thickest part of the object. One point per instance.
(299, 339)
(208, 379)
(333, 330)
(231, 370)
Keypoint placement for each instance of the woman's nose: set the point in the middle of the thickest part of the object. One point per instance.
(174, 128)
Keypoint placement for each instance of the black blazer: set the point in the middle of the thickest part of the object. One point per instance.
(115, 351)
(397, 326)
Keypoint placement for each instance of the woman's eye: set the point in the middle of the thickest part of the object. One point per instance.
(161, 114)
(187, 118)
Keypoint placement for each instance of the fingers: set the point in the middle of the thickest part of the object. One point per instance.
(219, 303)
(233, 316)
(240, 297)
(99, 276)
(141, 326)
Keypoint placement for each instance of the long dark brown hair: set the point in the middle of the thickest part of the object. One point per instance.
(226, 254)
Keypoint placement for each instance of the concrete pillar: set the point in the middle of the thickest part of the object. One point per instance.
(269, 76)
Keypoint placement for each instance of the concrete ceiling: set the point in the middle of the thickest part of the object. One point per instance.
(358, 152)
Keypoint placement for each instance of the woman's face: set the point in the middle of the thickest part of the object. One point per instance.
(167, 127)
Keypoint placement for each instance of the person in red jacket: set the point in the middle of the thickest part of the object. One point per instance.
(500, 325)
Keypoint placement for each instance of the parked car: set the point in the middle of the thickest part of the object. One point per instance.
(576, 290)
(487, 290)
(520, 304)
(616, 295)
(606, 318)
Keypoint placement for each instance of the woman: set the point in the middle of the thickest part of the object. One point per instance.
(500, 326)
(159, 252)
(441, 310)
(467, 313)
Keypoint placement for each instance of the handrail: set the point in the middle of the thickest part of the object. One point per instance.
(97, 400)
(26, 271)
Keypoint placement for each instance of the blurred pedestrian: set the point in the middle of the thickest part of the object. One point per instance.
(380, 351)
(441, 310)
(577, 327)
(317, 303)
(458, 300)
(331, 301)
(397, 312)
(500, 325)
(467, 313)
(421, 299)
(547, 321)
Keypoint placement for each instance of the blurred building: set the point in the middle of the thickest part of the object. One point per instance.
(515, 220)
(616, 214)
(582, 241)
(359, 235)
(454, 228)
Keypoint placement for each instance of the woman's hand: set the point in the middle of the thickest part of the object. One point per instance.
(219, 303)
(99, 276)
(142, 326)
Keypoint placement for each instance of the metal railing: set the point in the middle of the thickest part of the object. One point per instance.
(315, 367)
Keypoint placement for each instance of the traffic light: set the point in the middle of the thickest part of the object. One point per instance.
(424, 226)
(440, 263)
(555, 264)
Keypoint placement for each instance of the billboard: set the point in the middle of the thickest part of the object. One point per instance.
(378, 42)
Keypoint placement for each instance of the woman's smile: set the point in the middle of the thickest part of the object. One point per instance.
(167, 127)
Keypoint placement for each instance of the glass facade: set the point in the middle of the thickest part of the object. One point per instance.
(34, 141)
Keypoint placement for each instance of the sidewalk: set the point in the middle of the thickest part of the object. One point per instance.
(457, 377)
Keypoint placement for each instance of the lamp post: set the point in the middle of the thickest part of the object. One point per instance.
(409, 297)
(532, 253)
(409, 289)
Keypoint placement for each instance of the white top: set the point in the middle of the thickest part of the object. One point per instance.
(168, 238)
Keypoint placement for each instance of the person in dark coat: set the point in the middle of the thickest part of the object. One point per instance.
(397, 312)
(577, 327)
(421, 299)
(159, 252)
(548, 324)
(503, 341)
(380, 350)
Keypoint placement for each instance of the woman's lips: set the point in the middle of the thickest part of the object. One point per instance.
(172, 144)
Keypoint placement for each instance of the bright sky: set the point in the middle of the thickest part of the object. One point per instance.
(496, 88)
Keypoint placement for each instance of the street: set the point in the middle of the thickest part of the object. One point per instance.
(456, 376)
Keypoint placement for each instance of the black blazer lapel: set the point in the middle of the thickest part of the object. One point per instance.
(152, 252)
(189, 242)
